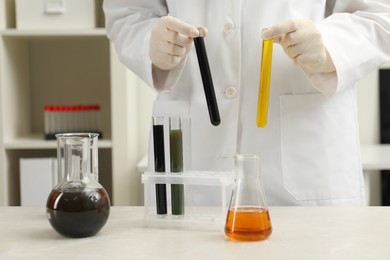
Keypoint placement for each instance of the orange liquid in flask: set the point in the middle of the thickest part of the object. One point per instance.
(248, 224)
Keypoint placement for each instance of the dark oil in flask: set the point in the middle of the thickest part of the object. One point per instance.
(78, 206)
(78, 213)
(248, 224)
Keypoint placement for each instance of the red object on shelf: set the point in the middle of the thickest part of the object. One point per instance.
(71, 118)
(71, 108)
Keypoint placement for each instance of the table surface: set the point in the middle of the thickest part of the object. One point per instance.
(298, 233)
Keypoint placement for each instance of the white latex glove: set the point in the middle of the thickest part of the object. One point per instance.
(303, 43)
(170, 41)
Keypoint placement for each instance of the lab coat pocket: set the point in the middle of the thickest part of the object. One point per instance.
(319, 153)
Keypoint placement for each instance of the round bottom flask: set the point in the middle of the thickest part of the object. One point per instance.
(78, 206)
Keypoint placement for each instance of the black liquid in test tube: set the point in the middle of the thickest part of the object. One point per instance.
(159, 163)
(207, 81)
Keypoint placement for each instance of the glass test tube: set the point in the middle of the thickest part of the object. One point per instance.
(265, 79)
(159, 163)
(176, 155)
(207, 80)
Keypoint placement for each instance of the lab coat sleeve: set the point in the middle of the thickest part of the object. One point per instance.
(129, 24)
(357, 37)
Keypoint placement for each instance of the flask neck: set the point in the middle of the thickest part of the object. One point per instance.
(248, 169)
(248, 189)
(77, 157)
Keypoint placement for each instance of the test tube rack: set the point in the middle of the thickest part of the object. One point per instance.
(198, 214)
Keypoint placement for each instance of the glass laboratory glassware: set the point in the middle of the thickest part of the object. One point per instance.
(248, 217)
(159, 163)
(176, 155)
(78, 206)
(265, 81)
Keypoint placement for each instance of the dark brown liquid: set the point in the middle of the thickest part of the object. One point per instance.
(78, 214)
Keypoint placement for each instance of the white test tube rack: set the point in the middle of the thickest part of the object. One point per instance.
(197, 217)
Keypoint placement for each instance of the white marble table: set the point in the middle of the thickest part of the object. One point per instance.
(313, 233)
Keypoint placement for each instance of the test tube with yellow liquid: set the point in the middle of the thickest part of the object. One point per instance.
(265, 79)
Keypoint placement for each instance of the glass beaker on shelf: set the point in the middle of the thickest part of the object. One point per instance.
(78, 206)
(248, 217)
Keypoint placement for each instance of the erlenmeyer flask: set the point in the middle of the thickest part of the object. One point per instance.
(248, 217)
(78, 206)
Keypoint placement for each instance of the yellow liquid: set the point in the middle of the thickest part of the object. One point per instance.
(248, 224)
(265, 79)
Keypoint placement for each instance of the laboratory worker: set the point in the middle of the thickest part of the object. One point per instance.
(309, 148)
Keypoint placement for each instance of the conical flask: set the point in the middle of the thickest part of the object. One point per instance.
(248, 217)
(78, 206)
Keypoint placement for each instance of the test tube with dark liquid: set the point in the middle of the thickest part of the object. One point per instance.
(207, 80)
(176, 154)
(159, 163)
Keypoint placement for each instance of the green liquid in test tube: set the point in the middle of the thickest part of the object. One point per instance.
(176, 154)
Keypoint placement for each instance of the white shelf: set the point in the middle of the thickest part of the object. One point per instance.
(101, 32)
(39, 67)
(36, 141)
(376, 157)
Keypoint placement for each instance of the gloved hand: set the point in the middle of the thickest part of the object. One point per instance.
(303, 43)
(170, 41)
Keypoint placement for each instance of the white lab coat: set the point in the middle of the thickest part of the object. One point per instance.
(310, 147)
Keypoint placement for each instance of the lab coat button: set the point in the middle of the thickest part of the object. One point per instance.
(228, 26)
(230, 92)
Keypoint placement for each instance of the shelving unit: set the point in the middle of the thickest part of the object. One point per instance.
(39, 67)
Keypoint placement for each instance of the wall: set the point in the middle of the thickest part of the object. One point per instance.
(368, 102)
